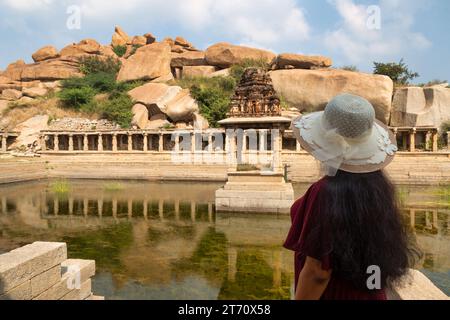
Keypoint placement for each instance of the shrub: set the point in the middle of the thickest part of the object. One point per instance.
(120, 50)
(398, 72)
(75, 97)
(94, 64)
(350, 68)
(117, 108)
(134, 48)
(101, 82)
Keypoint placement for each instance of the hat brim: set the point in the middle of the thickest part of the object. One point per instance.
(354, 168)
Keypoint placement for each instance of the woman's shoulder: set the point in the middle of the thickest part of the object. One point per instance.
(310, 196)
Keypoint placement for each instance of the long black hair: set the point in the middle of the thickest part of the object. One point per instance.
(364, 225)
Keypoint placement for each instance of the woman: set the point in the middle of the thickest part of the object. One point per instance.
(347, 232)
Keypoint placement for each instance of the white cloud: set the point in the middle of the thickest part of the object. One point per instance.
(358, 43)
(26, 5)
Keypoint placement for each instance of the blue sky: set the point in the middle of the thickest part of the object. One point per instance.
(414, 30)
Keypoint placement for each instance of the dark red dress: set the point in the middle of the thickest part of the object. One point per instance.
(303, 212)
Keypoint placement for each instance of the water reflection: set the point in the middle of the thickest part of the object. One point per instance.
(164, 240)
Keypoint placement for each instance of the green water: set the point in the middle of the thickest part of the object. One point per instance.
(164, 240)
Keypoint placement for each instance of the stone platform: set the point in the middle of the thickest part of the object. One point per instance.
(255, 191)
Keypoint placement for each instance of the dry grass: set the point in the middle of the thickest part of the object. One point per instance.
(17, 113)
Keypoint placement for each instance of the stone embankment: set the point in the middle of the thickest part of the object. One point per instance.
(41, 271)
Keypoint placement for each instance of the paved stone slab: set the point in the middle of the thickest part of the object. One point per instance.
(22, 264)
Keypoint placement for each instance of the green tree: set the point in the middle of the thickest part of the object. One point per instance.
(398, 72)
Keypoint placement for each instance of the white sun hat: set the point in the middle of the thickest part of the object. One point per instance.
(346, 136)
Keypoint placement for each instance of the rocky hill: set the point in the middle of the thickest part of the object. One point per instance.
(155, 68)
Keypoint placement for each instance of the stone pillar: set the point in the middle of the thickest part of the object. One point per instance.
(114, 208)
(130, 209)
(100, 142)
(277, 269)
(85, 143)
(85, 207)
(145, 209)
(55, 206)
(210, 142)
(232, 262)
(262, 140)
(145, 142)
(130, 142)
(177, 209)
(56, 142)
(448, 140)
(70, 142)
(412, 218)
(177, 143)
(161, 142)
(70, 205)
(4, 206)
(43, 143)
(412, 140)
(161, 209)
(210, 213)
(114, 142)
(298, 146)
(193, 142)
(434, 137)
(100, 207)
(193, 208)
(4, 142)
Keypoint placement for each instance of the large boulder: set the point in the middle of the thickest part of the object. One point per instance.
(159, 98)
(3, 106)
(157, 121)
(416, 106)
(35, 92)
(50, 70)
(149, 62)
(86, 46)
(14, 70)
(150, 38)
(310, 90)
(197, 71)
(45, 53)
(29, 131)
(11, 94)
(140, 116)
(200, 122)
(188, 58)
(224, 54)
(299, 61)
(139, 41)
(120, 37)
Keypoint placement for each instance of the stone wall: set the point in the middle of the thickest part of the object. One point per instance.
(41, 271)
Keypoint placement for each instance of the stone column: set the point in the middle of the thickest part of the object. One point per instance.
(70, 142)
(193, 208)
(412, 140)
(434, 136)
(210, 142)
(4, 141)
(114, 208)
(232, 262)
(161, 142)
(85, 206)
(56, 142)
(145, 209)
(161, 209)
(100, 142)
(177, 143)
(114, 142)
(100, 207)
(130, 208)
(298, 147)
(448, 140)
(177, 210)
(145, 141)
(43, 143)
(130, 142)
(55, 206)
(4, 206)
(71, 205)
(85, 143)
(210, 213)
(193, 142)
